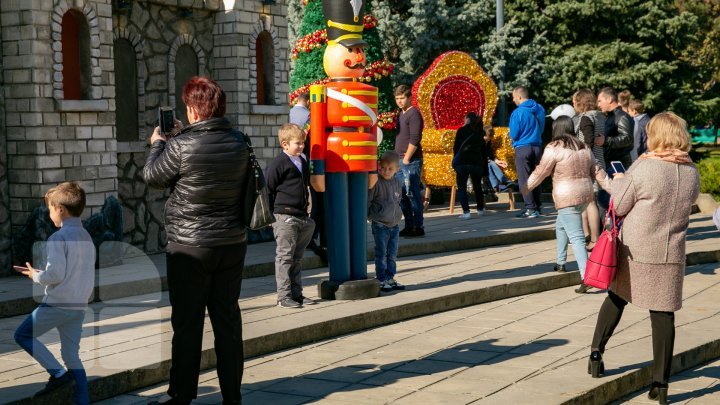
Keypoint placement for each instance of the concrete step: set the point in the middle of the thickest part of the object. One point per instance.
(126, 342)
(143, 274)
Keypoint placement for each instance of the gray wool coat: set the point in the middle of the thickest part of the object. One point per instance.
(656, 198)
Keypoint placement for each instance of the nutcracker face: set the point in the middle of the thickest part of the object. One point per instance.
(340, 61)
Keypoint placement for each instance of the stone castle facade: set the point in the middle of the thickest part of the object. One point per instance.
(82, 80)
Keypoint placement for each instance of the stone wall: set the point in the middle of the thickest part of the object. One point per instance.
(224, 42)
(46, 139)
(156, 30)
(234, 66)
(50, 139)
(4, 197)
(143, 206)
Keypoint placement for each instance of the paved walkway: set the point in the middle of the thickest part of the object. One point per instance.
(144, 274)
(525, 350)
(126, 341)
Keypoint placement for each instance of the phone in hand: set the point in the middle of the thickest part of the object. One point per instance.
(166, 119)
(617, 166)
(20, 269)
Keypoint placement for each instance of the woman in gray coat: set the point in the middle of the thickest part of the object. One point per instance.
(656, 197)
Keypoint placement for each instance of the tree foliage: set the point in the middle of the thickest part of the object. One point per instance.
(666, 52)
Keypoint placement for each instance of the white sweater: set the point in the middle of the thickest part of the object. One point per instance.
(69, 276)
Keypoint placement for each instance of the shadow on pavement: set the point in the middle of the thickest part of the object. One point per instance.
(475, 354)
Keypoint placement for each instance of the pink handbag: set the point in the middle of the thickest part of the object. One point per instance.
(602, 263)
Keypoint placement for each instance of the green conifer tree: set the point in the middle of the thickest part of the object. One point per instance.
(295, 14)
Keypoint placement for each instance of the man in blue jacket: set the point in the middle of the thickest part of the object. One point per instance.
(526, 127)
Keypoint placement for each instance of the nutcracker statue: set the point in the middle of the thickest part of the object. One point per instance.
(343, 150)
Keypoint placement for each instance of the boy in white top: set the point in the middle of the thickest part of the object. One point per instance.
(68, 278)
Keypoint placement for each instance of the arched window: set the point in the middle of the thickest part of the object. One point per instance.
(265, 63)
(76, 56)
(126, 91)
(186, 66)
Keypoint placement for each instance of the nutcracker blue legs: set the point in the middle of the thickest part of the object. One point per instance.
(337, 226)
(358, 187)
(346, 223)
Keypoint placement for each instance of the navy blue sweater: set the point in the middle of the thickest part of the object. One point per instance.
(288, 188)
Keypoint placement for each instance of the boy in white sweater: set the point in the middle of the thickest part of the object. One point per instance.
(69, 278)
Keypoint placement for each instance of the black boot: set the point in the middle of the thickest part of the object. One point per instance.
(596, 367)
(560, 268)
(659, 392)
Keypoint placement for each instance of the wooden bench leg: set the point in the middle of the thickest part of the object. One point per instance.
(453, 190)
(426, 198)
(511, 198)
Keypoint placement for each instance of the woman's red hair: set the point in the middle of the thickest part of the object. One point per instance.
(205, 96)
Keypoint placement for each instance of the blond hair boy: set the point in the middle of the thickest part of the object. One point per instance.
(288, 182)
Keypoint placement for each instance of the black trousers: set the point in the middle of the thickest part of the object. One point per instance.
(663, 334)
(200, 278)
(526, 159)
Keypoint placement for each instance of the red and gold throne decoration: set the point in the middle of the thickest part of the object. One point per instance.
(454, 85)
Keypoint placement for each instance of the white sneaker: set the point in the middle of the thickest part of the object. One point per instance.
(465, 215)
(481, 213)
(385, 286)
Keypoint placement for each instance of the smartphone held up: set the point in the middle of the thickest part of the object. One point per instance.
(617, 166)
(166, 120)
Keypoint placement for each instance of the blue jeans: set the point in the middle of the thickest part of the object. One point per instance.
(411, 202)
(69, 325)
(475, 173)
(386, 248)
(568, 227)
(496, 175)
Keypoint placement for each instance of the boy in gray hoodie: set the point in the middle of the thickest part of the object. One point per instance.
(385, 214)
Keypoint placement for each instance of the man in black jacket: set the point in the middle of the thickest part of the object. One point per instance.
(205, 166)
(619, 139)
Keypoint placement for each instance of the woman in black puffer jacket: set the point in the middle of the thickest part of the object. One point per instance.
(205, 167)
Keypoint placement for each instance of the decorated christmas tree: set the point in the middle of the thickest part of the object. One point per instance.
(308, 56)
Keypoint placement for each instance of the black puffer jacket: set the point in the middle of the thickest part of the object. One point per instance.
(205, 166)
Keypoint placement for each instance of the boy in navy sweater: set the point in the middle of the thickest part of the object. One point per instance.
(68, 278)
(288, 182)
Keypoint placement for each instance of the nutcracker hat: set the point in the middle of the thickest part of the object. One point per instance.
(344, 22)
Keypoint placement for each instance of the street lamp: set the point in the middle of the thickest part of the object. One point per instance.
(499, 22)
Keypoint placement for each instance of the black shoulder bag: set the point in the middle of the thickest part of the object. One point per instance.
(257, 213)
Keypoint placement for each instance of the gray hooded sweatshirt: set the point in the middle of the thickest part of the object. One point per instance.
(384, 202)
